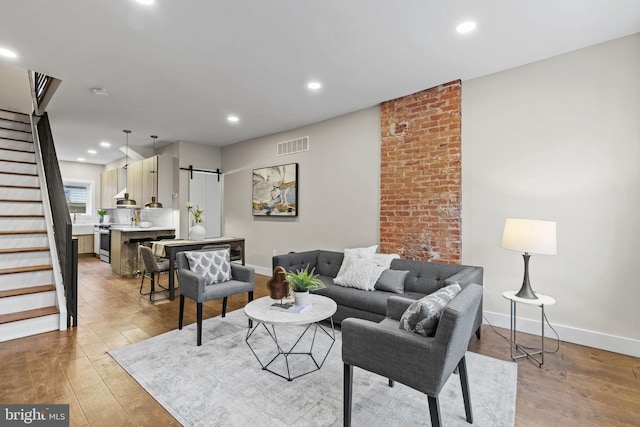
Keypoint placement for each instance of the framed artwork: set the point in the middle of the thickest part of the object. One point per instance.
(275, 191)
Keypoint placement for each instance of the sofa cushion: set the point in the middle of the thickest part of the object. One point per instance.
(374, 302)
(329, 263)
(392, 281)
(352, 254)
(425, 277)
(363, 272)
(213, 266)
(422, 316)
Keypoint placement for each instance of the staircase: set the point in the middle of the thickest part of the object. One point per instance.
(28, 302)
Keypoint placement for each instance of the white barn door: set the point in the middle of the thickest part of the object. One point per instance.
(204, 191)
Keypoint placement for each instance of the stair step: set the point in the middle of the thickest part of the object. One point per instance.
(9, 232)
(27, 291)
(19, 241)
(28, 314)
(21, 216)
(23, 280)
(18, 173)
(8, 123)
(17, 145)
(17, 193)
(25, 269)
(17, 200)
(13, 116)
(20, 250)
(3, 127)
(19, 223)
(4, 135)
(16, 150)
(20, 182)
(15, 154)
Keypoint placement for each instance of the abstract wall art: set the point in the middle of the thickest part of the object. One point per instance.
(275, 191)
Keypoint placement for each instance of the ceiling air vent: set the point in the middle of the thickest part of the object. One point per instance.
(293, 146)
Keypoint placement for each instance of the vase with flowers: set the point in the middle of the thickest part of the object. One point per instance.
(197, 231)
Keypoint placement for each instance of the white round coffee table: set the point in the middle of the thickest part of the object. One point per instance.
(267, 319)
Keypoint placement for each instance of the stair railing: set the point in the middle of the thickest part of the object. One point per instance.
(65, 258)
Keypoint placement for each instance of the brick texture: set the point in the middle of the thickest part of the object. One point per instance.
(421, 176)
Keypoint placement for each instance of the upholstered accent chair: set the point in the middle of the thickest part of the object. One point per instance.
(422, 363)
(194, 286)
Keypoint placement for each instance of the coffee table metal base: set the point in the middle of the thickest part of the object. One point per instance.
(314, 327)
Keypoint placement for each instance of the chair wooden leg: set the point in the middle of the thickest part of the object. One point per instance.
(348, 393)
(199, 320)
(434, 411)
(391, 383)
(224, 306)
(181, 315)
(464, 382)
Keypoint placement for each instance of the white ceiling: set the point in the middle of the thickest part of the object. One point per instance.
(178, 68)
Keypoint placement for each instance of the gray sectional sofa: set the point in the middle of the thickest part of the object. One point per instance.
(422, 279)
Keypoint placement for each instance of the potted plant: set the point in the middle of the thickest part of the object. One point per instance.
(101, 213)
(302, 282)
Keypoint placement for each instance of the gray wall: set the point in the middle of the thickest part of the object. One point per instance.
(338, 189)
(560, 140)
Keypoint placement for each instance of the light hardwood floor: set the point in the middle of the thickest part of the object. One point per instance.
(577, 386)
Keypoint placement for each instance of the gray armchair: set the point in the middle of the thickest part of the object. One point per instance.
(422, 363)
(192, 286)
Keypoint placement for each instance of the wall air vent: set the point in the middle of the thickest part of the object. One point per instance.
(293, 146)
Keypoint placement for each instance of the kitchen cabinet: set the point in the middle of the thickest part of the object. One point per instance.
(111, 183)
(149, 177)
(85, 243)
(134, 182)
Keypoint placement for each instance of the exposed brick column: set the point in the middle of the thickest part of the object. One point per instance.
(421, 176)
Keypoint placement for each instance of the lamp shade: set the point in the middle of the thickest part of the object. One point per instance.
(530, 236)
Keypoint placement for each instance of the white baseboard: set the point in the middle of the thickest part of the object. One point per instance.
(261, 270)
(570, 334)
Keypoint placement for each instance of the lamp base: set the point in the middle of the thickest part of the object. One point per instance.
(525, 290)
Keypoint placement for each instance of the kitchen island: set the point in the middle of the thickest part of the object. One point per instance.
(124, 249)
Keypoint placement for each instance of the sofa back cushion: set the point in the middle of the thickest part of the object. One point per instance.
(425, 277)
(329, 263)
(295, 261)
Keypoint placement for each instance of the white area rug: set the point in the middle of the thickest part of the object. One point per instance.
(221, 383)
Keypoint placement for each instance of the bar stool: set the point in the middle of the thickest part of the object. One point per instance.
(138, 242)
(153, 266)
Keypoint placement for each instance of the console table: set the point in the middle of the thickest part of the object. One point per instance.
(169, 249)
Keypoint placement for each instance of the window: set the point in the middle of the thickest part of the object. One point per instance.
(79, 196)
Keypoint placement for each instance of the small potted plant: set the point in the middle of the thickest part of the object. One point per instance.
(101, 213)
(301, 283)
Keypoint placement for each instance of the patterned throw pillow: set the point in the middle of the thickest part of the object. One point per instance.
(214, 266)
(422, 316)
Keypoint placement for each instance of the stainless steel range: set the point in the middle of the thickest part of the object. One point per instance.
(104, 233)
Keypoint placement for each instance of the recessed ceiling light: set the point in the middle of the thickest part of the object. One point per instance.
(105, 144)
(7, 53)
(233, 119)
(314, 85)
(92, 151)
(100, 91)
(145, 2)
(466, 27)
(81, 159)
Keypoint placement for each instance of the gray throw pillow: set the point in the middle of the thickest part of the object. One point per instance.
(422, 316)
(392, 281)
(213, 266)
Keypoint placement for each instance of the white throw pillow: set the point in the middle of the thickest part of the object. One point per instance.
(214, 266)
(353, 254)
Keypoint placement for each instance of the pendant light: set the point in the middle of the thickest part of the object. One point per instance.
(153, 203)
(126, 202)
